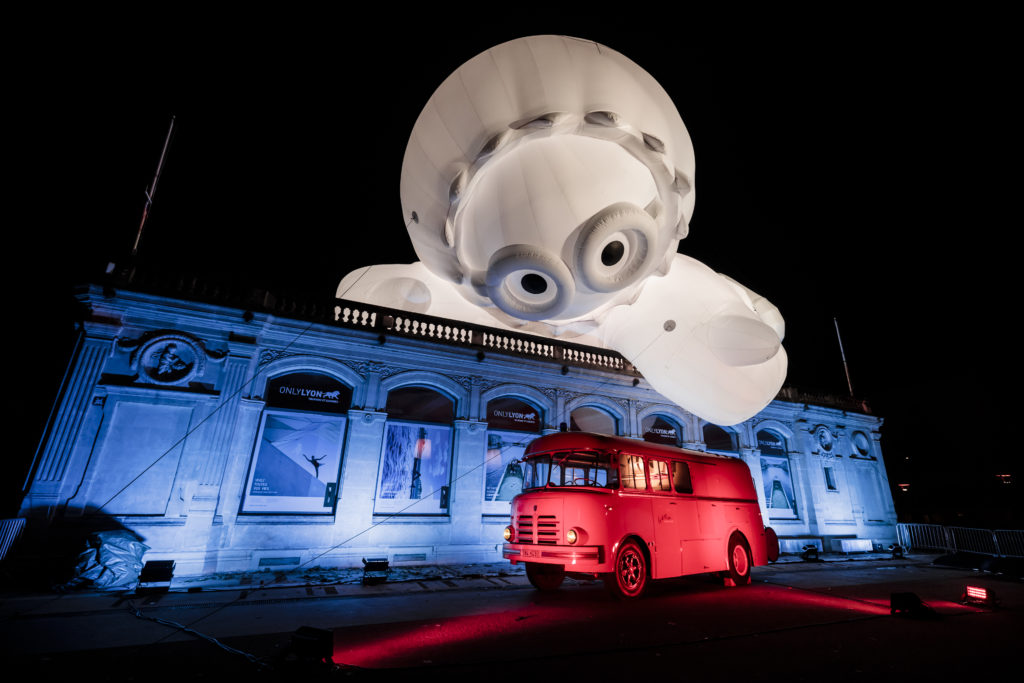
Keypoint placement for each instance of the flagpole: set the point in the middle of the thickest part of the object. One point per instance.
(843, 354)
(151, 190)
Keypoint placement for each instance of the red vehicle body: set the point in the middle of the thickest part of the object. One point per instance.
(631, 511)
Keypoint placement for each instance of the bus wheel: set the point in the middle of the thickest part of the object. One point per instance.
(545, 577)
(630, 576)
(739, 561)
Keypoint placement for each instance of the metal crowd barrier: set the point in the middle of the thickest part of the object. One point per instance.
(951, 539)
(10, 529)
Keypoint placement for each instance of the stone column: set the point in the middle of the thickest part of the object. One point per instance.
(358, 483)
(221, 428)
(466, 498)
(66, 445)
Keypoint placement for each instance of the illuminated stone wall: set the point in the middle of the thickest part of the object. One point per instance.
(230, 441)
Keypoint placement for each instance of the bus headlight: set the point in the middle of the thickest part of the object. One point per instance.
(507, 533)
(571, 536)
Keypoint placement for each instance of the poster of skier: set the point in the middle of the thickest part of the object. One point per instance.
(296, 464)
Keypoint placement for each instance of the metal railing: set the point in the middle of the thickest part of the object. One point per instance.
(442, 330)
(10, 530)
(951, 539)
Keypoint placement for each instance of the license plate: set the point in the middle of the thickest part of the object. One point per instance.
(527, 552)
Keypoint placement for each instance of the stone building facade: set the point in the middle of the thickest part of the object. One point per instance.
(232, 438)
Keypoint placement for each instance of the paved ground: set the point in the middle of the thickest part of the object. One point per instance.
(474, 619)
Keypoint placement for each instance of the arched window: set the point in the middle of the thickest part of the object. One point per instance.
(718, 439)
(591, 419)
(776, 475)
(297, 457)
(420, 404)
(415, 463)
(511, 425)
(662, 429)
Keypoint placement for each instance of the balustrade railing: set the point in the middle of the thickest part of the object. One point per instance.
(406, 324)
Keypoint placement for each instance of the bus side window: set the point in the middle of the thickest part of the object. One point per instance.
(631, 472)
(681, 477)
(659, 475)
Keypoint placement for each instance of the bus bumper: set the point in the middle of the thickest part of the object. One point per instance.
(575, 559)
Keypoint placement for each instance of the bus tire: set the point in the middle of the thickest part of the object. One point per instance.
(629, 578)
(739, 561)
(545, 577)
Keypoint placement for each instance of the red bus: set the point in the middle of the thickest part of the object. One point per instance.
(631, 511)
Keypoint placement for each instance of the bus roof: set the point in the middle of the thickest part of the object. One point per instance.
(567, 441)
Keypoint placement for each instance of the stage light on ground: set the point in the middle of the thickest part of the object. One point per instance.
(897, 551)
(155, 577)
(810, 553)
(375, 570)
(977, 595)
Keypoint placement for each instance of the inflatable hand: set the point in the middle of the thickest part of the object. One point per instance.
(700, 337)
(546, 186)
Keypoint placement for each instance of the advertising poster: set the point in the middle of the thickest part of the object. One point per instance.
(778, 487)
(503, 476)
(296, 465)
(414, 467)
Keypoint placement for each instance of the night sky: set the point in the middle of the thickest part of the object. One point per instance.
(852, 177)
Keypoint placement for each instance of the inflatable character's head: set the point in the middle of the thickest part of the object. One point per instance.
(548, 176)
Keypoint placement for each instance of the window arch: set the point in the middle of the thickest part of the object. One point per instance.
(771, 443)
(593, 419)
(663, 429)
(718, 439)
(314, 391)
(416, 456)
(512, 424)
(421, 404)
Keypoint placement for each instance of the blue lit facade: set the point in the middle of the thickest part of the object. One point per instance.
(231, 439)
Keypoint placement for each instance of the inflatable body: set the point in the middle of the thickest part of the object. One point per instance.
(546, 186)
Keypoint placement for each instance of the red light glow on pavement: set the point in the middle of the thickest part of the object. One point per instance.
(588, 621)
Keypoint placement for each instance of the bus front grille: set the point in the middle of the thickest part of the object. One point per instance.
(542, 529)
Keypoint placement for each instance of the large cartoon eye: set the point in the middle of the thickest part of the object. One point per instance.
(534, 283)
(528, 283)
(614, 247)
(612, 252)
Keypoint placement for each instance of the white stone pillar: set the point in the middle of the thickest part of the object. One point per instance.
(467, 487)
(358, 483)
(66, 445)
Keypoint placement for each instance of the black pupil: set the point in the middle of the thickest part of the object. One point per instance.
(612, 253)
(534, 284)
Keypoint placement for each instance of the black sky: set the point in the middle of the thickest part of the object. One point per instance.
(852, 176)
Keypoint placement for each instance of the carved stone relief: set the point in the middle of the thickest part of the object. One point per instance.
(169, 358)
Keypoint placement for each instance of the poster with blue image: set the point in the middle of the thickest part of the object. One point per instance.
(296, 464)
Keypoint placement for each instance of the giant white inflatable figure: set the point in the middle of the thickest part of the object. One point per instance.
(546, 186)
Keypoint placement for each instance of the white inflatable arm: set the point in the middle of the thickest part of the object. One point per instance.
(700, 339)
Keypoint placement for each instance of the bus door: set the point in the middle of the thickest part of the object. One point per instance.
(668, 520)
(712, 517)
(689, 519)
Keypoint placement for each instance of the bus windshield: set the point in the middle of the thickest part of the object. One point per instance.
(571, 469)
